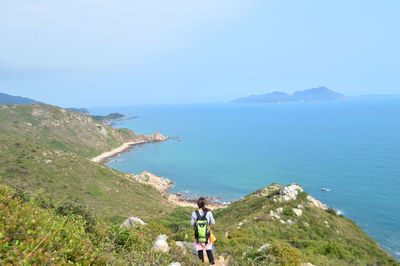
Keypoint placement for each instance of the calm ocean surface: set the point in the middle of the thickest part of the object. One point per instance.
(351, 147)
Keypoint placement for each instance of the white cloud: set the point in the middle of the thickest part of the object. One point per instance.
(104, 33)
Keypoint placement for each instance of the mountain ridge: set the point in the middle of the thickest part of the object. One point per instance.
(10, 99)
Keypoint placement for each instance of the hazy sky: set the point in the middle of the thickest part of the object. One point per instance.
(110, 52)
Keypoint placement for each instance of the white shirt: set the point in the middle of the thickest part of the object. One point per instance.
(209, 217)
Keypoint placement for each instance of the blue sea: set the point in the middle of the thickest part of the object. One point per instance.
(351, 147)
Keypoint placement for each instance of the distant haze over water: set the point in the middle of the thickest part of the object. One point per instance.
(351, 147)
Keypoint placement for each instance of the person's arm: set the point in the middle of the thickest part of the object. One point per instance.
(193, 222)
(211, 219)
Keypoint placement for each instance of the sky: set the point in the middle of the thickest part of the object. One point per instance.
(88, 53)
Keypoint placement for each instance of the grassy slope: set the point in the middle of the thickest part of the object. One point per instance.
(308, 239)
(322, 237)
(56, 128)
(45, 150)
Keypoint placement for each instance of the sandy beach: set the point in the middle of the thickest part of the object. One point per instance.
(156, 137)
(109, 154)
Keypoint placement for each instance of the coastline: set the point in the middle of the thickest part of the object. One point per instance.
(105, 156)
(161, 184)
(126, 146)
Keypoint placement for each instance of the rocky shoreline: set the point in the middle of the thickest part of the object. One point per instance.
(163, 185)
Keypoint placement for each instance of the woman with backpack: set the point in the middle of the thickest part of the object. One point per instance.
(202, 219)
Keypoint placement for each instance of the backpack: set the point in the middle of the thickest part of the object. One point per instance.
(201, 228)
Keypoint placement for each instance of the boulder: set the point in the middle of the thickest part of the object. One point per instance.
(264, 247)
(221, 261)
(158, 137)
(185, 246)
(132, 222)
(161, 244)
(298, 212)
(290, 192)
(274, 215)
(175, 264)
(316, 203)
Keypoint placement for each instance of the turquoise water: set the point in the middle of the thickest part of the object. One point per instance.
(351, 147)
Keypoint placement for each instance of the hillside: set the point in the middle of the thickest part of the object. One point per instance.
(46, 151)
(286, 218)
(281, 225)
(58, 206)
(33, 232)
(10, 99)
(310, 95)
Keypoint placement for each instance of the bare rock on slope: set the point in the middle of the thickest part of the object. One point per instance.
(132, 222)
(159, 183)
(161, 244)
(290, 192)
(316, 203)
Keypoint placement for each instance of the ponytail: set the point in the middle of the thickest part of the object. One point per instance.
(201, 203)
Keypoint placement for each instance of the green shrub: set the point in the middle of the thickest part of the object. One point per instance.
(69, 209)
(285, 254)
(31, 235)
(331, 211)
(288, 212)
(302, 196)
(256, 257)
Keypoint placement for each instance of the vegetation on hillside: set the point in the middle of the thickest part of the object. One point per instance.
(56, 128)
(33, 232)
(248, 234)
(46, 151)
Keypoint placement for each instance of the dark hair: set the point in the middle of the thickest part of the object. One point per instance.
(202, 204)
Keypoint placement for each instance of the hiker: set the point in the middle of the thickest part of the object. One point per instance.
(202, 219)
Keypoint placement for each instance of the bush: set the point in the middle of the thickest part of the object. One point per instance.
(332, 211)
(70, 209)
(21, 195)
(256, 257)
(31, 235)
(285, 254)
(302, 196)
(288, 212)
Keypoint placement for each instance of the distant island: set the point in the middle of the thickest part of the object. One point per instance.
(10, 99)
(310, 95)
